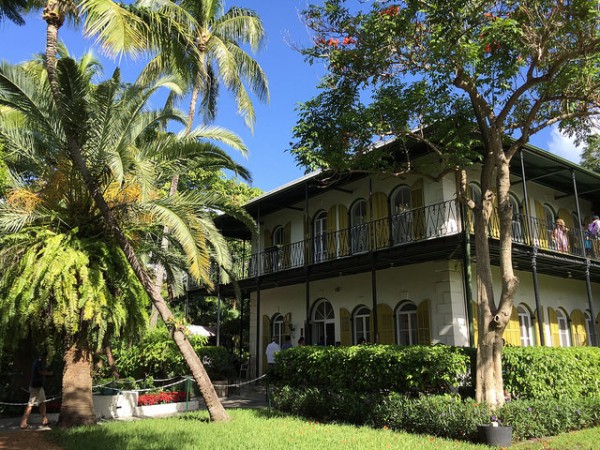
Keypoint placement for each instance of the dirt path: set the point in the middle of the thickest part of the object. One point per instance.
(26, 440)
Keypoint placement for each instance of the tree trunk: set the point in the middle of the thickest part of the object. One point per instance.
(77, 407)
(164, 245)
(493, 320)
(111, 362)
(215, 408)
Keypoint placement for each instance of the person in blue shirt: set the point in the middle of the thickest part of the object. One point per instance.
(37, 396)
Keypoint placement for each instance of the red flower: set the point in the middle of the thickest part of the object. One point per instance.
(348, 40)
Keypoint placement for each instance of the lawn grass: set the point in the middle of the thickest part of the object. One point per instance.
(256, 429)
(248, 429)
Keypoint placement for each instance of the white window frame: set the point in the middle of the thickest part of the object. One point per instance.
(563, 328)
(526, 330)
(361, 322)
(406, 313)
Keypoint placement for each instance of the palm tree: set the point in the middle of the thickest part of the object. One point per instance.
(12, 10)
(120, 30)
(211, 52)
(117, 180)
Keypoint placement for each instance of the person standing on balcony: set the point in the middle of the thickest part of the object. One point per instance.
(560, 236)
(593, 235)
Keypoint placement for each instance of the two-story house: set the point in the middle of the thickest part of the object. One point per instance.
(390, 259)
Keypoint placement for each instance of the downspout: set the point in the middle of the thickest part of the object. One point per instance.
(307, 331)
(467, 273)
(536, 288)
(588, 283)
(372, 243)
(258, 270)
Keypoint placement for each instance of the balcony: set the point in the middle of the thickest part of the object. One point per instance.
(401, 230)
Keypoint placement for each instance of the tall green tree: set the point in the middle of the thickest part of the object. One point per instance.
(454, 75)
(120, 29)
(126, 160)
(211, 53)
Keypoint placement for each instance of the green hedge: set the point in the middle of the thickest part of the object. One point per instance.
(373, 368)
(548, 372)
(439, 415)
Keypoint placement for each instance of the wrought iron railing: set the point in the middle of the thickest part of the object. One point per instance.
(403, 228)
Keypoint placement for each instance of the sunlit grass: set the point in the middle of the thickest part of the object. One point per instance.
(248, 429)
(578, 440)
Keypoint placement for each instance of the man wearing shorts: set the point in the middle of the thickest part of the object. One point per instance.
(37, 396)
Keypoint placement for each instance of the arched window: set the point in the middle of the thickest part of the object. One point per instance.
(549, 218)
(277, 329)
(406, 323)
(320, 237)
(359, 237)
(323, 323)
(525, 326)
(278, 236)
(402, 215)
(361, 320)
(563, 328)
(517, 219)
(475, 193)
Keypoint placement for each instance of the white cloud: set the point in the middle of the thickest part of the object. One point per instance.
(564, 146)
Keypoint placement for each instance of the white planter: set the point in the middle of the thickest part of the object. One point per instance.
(115, 406)
(165, 409)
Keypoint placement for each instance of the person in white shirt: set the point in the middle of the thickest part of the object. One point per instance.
(272, 348)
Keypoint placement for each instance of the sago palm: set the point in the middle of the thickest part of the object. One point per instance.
(124, 159)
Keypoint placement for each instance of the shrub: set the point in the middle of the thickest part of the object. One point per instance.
(548, 372)
(373, 368)
(539, 418)
(158, 356)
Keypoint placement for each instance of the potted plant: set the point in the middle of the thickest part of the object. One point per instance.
(494, 433)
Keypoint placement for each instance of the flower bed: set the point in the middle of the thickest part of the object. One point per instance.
(158, 398)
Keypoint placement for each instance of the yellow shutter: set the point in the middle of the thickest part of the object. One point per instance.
(385, 324)
(475, 309)
(541, 232)
(345, 327)
(343, 232)
(512, 333)
(267, 242)
(537, 328)
(424, 323)
(578, 330)
(554, 333)
(287, 322)
(495, 219)
(526, 224)
(266, 339)
(372, 329)
(380, 220)
(332, 232)
(417, 203)
(287, 241)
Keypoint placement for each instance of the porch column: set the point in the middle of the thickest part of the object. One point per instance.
(307, 235)
(467, 274)
(533, 243)
(371, 229)
(588, 283)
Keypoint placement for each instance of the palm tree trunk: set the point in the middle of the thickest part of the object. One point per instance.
(77, 407)
(160, 270)
(215, 408)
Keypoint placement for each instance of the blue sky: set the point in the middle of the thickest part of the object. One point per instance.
(291, 81)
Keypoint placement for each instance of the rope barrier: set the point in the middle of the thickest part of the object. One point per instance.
(119, 390)
(26, 403)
